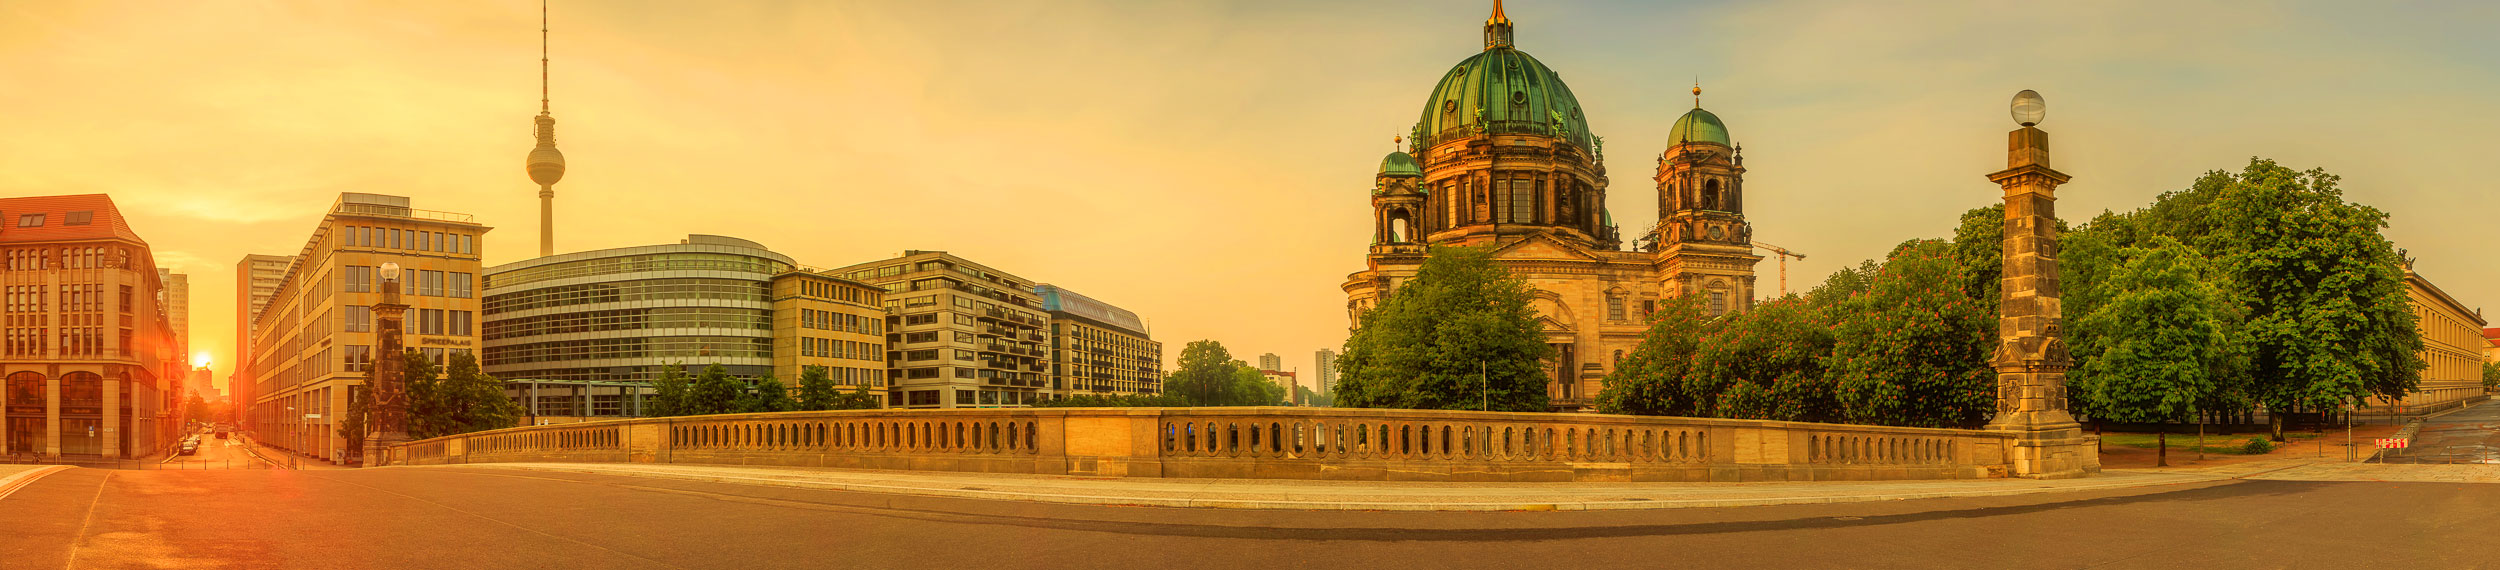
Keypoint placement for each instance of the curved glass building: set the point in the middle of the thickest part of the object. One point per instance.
(625, 314)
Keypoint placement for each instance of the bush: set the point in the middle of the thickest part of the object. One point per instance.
(2257, 446)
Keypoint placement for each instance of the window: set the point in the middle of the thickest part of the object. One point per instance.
(964, 397)
(1519, 200)
(79, 218)
(460, 285)
(434, 355)
(359, 318)
(358, 358)
(1718, 302)
(356, 279)
(1614, 307)
(461, 323)
(430, 321)
(30, 220)
(429, 283)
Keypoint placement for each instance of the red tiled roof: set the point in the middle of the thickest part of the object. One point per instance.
(2491, 333)
(106, 222)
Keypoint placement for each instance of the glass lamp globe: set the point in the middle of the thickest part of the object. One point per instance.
(390, 272)
(2029, 108)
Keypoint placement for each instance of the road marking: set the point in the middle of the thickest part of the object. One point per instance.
(500, 521)
(87, 522)
(12, 483)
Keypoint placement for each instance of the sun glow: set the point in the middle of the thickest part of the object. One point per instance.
(199, 360)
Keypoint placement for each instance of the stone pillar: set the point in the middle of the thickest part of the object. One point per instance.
(2031, 359)
(51, 446)
(108, 431)
(386, 422)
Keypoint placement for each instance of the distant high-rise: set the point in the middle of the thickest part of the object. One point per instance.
(256, 281)
(1271, 361)
(1326, 371)
(178, 309)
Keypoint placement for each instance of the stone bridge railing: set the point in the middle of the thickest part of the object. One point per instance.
(1256, 443)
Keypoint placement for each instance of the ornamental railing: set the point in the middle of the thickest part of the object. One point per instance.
(1257, 443)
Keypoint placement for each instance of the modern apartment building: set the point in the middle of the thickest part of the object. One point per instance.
(89, 367)
(256, 281)
(958, 334)
(1097, 348)
(315, 338)
(1271, 361)
(1286, 380)
(831, 322)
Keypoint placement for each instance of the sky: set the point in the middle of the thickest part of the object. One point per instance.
(1205, 164)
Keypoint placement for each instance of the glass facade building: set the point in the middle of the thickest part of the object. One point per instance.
(622, 315)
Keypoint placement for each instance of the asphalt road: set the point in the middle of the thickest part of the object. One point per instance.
(2471, 435)
(214, 454)
(447, 518)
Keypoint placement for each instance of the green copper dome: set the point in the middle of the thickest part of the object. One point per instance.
(1698, 126)
(1501, 90)
(1399, 164)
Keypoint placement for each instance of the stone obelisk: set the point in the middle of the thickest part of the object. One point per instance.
(2031, 359)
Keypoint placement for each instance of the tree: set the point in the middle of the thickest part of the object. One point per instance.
(2491, 376)
(1766, 363)
(2165, 348)
(424, 389)
(669, 393)
(2327, 318)
(1979, 248)
(1650, 381)
(768, 395)
(359, 409)
(455, 398)
(1205, 376)
(1913, 349)
(857, 399)
(816, 389)
(1116, 401)
(1460, 335)
(1250, 387)
(713, 392)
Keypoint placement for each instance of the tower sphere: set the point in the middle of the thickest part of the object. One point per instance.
(2029, 108)
(546, 164)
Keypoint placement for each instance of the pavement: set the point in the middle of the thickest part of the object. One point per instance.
(1376, 495)
(2468, 436)
(505, 518)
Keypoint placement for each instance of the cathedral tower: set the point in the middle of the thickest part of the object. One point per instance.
(1702, 243)
(1506, 151)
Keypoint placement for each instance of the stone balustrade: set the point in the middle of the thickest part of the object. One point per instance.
(1256, 443)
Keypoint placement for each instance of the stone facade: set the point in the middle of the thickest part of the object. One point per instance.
(2452, 347)
(1502, 159)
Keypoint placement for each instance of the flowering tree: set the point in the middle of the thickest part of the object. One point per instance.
(1913, 350)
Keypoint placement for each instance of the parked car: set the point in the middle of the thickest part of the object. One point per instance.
(189, 446)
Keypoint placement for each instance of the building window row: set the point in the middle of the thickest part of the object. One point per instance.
(412, 240)
(446, 322)
(839, 322)
(644, 290)
(631, 319)
(640, 264)
(839, 292)
(692, 349)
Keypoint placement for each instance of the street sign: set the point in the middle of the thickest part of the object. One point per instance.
(2392, 443)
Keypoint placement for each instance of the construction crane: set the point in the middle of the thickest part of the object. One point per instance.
(1783, 254)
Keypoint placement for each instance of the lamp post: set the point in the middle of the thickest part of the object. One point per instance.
(387, 424)
(2031, 358)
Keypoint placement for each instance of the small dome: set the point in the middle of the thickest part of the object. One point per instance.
(1699, 126)
(1399, 164)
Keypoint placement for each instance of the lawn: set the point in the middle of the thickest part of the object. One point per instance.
(2186, 442)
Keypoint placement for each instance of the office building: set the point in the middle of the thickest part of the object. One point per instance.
(178, 309)
(256, 281)
(583, 334)
(315, 338)
(1097, 348)
(89, 367)
(1271, 361)
(958, 334)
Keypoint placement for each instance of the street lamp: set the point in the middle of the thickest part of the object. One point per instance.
(2029, 108)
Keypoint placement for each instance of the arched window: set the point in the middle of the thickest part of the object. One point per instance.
(26, 391)
(1400, 227)
(1710, 195)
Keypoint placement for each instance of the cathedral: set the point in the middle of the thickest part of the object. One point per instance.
(1502, 157)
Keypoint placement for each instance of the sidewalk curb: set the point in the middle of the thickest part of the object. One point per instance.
(1104, 500)
(12, 483)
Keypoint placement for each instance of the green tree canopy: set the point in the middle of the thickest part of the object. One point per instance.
(768, 395)
(456, 398)
(712, 392)
(1650, 380)
(816, 389)
(1767, 363)
(670, 393)
(2165, 347)
(1460, 335)
(1912, 350)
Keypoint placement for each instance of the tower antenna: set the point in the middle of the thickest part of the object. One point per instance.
(1696, 91)
(542, 56)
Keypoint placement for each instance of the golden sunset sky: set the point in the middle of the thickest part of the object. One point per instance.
(1205, 164)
